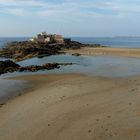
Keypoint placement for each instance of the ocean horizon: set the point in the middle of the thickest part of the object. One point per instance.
(118, 42)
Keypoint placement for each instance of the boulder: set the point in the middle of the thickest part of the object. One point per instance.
(8, 66)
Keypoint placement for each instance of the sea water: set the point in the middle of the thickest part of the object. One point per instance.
(121, 42)
(108, 66)
(6, 40)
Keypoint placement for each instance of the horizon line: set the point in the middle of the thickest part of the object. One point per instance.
(129, 36)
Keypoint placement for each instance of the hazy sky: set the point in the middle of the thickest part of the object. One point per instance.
(70, 17)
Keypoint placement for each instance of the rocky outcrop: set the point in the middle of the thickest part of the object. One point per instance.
(23, 50)
(10, 66)
(73, 45)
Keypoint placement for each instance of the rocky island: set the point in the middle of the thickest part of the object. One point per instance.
(42, 45)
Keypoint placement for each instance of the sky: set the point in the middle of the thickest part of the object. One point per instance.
(81, 18)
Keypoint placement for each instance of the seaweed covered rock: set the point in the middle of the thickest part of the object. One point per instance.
(24, 50)
(34, 68)
(73, 45)
(10, 66)
(8, 63)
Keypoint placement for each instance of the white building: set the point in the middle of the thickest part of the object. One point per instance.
(45, 38)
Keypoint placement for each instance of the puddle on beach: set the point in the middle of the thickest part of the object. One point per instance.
(11, 88)
(108, 66)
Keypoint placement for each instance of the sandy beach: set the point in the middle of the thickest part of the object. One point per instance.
(69, 70)
(125, 52)
(74, 107)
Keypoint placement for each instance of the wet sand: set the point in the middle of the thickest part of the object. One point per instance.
(126, 52)
(74, 107)
(10, 88)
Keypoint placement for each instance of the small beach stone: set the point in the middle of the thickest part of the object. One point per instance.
(49, 124)
(108, 116)
(89, 131)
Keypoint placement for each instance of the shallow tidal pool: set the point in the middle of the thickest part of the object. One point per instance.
(107, 66)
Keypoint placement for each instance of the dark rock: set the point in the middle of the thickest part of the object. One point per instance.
(8, 63)
(67, 40)
(26, 49)
(49, 124)
(73, 45)
(10, 66)
(2, 103)
(76, 54)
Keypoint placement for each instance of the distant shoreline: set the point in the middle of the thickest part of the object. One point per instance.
(118, 42)
(125, 52)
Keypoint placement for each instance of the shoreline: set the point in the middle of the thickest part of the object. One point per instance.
(125, 52)
(14, 89)
(73, 106)
(99, 51)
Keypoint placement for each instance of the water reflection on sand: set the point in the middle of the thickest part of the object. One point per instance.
(108, 66)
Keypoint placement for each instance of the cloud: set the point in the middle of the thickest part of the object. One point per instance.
(58, 7)
(14, 11)
(126, 8)
(75, 17)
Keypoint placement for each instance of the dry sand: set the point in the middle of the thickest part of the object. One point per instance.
(106, 51)
(74, 107)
